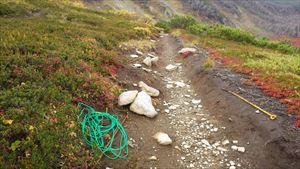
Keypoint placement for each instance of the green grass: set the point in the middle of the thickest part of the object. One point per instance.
(224, 32)
(50, 53)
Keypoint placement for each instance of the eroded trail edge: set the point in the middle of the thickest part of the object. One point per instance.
(200, 138)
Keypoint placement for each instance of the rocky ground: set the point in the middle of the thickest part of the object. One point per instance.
(209, 128)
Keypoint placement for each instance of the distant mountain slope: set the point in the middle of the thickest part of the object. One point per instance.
(262, 17)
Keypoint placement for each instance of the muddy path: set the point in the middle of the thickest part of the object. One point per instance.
(206, 124)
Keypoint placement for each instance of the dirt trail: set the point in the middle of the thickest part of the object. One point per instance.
(202, 135)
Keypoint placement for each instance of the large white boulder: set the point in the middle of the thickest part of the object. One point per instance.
(147, 61)
(184, 50)
(143, 105)
(149, 90)
(162, 138)
(127, 97)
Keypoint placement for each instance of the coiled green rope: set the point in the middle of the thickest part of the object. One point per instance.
(97, 127)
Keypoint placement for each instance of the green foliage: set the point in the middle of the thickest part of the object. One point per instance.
(225, 32)
(12, 9)
(164, 25)
(46, 61)
(182, 21)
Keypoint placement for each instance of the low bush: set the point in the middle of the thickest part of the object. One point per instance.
(225, 32)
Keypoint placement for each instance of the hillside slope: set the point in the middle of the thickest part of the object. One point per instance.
(52, 55)
(267, 18)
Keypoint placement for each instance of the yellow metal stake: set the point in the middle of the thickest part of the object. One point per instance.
(271, 116)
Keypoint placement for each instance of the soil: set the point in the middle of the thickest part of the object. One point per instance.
(269, 144)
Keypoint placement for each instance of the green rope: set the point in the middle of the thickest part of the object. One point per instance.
(97, 127)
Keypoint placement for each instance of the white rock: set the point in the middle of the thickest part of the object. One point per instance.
(177, 148)
(225, 142)
(221, 149)
(146, 70)
(127, 97)
(149, 54)
(232, 167)
(134, 56)
(138, 52)
(171, 67)
(147, 61)
(143, 105)
(196, 101)
(192, 165)
(162, 138)
(241, 149)
(234, 147)
(183, 50)
(231, 162)
(108, 168)
(152, 158)
(172, 107)
(154, 60)
(134, 84)
(205, 142)
(136, 65)
(235, 141)
(179, 84)
(150, 90)
(169, 86)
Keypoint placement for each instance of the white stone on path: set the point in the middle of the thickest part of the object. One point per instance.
(138, 52)
(151, 55)
(196, 101)
(179, 84)
(136, 65)
(172, 107)
(183, 50)
(127, 97)
(169, 86)
(150, 90)
(162, 138)
(147, 61)
(154, 60)
(234, 147)
(143, 105)
(152, 158)
(225, 142)
(241, 149)
(146, 70)
(134, 56)
(171, 67)
(205, 142)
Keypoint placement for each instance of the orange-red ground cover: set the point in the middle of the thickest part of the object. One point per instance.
(268, 84)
